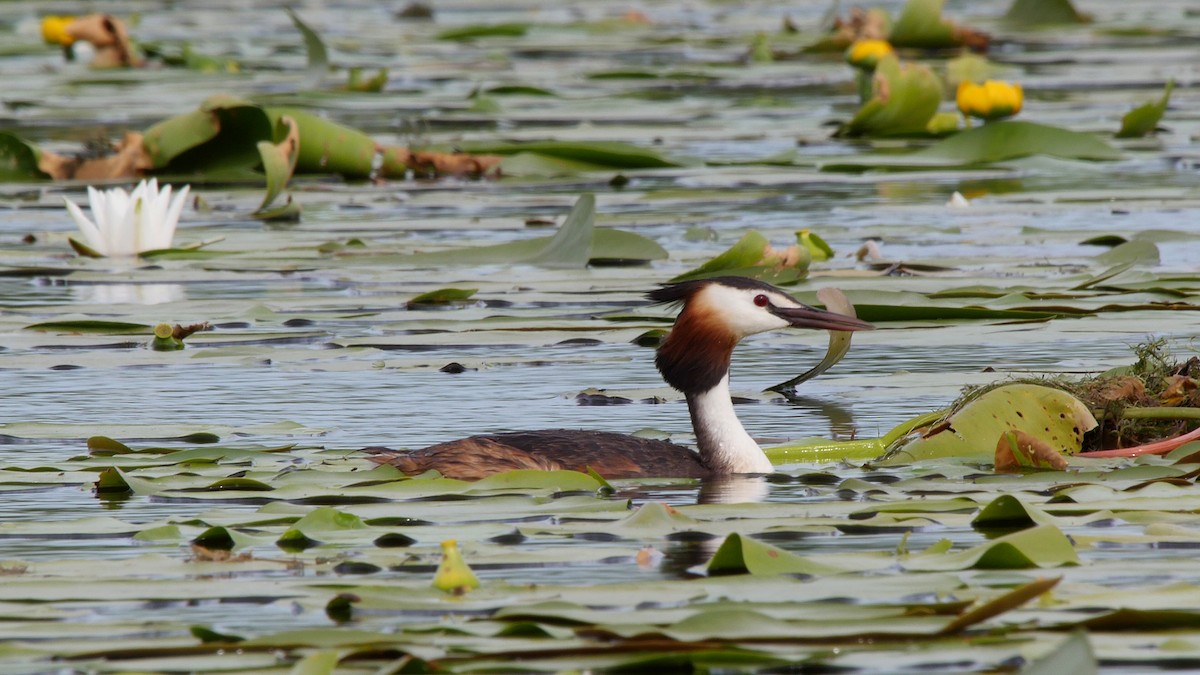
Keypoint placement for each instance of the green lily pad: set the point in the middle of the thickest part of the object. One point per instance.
(1144, 119)
(1051, 415)
(484, 31)
(19, 159)
(314, 46)
(1043, 12)
(905, 97)
(442, 297)
(1041, 546)
(739, 554)
(921, 25)
(599, 154)
(988, 144)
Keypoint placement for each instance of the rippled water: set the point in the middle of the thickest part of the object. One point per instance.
(1024, 229)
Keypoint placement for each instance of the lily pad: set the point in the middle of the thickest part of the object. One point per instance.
(904, 98)
(1144, 119)
(1051, 415)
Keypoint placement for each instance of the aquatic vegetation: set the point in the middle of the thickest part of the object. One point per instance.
(992, 100)
(124, 224)
(205, 508)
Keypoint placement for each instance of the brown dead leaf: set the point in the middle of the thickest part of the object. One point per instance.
(205, 554)
(1017, 451)
(861, 25)
(975, 40)
(129, 160)
(1126, 388)
(1179, 390)
(648, 557)
(782, 258)
(636, 17)
(180, 332)
(397, 161)
(108, 35)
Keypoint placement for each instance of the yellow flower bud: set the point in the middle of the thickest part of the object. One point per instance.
(991, 100)
(865, 54)
(54, 30)
(453, 574)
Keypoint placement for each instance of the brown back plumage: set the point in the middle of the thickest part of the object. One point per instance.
(609, 454)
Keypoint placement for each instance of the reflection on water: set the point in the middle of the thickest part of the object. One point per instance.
(733, 490)
(128, 294)
(841, 418)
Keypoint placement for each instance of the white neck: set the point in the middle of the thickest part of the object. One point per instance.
(724, 445)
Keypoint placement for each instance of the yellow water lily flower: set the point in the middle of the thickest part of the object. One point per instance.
(865, 54)
(54, 30)
(991, 100)
(454, 575)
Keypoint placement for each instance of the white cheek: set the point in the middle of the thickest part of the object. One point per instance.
(737, 311)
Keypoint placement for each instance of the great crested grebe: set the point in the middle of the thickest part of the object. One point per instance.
(694, 358)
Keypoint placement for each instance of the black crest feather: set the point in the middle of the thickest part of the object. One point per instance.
(681, 291)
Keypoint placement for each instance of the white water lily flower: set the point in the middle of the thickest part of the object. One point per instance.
(127, 224)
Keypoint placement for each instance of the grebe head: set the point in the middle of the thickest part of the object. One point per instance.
(720, 311)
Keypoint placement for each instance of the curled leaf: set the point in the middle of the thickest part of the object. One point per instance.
(1054, 417)
(753, 256)
(839, 341)
(905, 97)
(1144, 119)
(1017, 450)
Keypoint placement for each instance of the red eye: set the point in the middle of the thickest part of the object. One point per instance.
(761, 300)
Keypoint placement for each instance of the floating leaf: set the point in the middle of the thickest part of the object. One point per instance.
(314, 46)
(326, 146)
(1041, 546)
(1144, 119)
(91, 326)
(1051, 415)
(818, 248)
(218, 140)
(442, 297)
(567, 246)
(1041, 12)
(753, 256)
(1009, 139)
(279, 159)
(1136, 252)
(103, 446)
(19, 159)
(921, 25)
(205, 634)
(1006, 511)
(110, 482)
(601, 154)
(571, 246)
(990, 143)
(904, 98)
(356, 82)
(1074, 655)
(476, 32)
(739, 554)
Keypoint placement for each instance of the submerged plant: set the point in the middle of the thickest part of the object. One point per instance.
(127, 224)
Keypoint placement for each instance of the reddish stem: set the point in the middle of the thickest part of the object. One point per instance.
(1156, 448)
